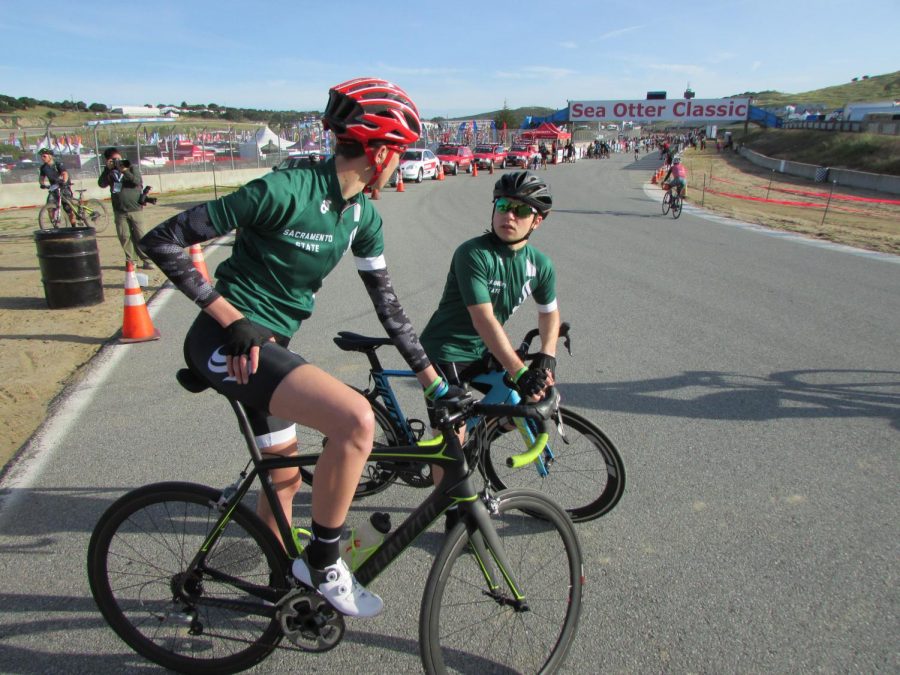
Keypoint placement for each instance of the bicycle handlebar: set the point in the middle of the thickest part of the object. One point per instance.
(534, 332)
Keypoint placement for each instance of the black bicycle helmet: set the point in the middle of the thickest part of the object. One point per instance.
(45, 151)
(527, 187)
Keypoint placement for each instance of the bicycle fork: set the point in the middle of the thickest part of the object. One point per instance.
(490, 555)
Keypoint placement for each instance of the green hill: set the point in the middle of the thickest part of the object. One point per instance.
(876, 88)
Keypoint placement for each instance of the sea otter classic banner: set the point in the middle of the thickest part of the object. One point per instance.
(675, 110)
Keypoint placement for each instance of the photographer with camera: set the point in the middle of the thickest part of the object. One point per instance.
(125, 186)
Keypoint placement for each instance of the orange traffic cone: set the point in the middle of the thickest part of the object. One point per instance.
(199, 262)
(136, 323)
(400, 187)
(491, 172)
(440, 172)
(376, 194)
(654, 177)
(474, 169)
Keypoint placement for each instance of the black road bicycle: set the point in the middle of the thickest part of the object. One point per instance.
(673, 202)
(88, 212)
(580, 467)
(190, 578)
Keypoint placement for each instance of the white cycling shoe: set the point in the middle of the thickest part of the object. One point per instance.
(339, 587)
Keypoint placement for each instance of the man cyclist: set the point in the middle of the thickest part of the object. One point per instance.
(53, 176)
(679, 173)
(294, 226)
(490, 277)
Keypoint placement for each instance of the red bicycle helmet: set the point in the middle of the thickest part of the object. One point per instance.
(368, 109)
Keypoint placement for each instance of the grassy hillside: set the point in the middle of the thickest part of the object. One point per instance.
(877, 88)
(861, 152)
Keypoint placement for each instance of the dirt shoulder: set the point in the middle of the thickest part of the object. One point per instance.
(42, 350)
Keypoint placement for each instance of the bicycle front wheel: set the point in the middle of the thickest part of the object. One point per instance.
(581, 470)
(48, 218)
(666, 202)
(94, 214)
(676, 207)
(200, 620)
(468, 625)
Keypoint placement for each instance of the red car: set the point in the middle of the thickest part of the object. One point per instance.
(487, 156)
(455, 157)
(521, 154)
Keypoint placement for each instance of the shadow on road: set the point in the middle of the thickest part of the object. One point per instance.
(731, 396)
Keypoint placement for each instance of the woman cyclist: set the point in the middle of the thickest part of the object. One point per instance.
(294, 226)
(679, 173)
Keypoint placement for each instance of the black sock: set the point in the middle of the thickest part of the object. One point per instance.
(325, 546)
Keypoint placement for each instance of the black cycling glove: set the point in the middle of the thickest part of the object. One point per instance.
(542, 361)
(531, 382)
(243, 335)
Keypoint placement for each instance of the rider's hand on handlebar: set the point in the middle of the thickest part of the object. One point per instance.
(242, 348)
(531, 383)
(542, 361)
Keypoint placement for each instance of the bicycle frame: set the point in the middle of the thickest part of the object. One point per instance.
(498, 393)
(456, 488)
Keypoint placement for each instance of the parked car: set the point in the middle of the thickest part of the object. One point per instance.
(488, 156)
(298, 160)
(418, 163)
(455, 157)
(520, 155)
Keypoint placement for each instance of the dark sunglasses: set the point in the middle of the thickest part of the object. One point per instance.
(503, 205)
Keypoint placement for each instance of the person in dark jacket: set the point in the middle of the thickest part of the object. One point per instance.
(125, 186)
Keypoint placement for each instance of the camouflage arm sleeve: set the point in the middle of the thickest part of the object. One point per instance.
(166, 244)
(394, 319)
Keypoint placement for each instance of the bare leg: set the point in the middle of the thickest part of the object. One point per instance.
(286, 482)
(313, 398)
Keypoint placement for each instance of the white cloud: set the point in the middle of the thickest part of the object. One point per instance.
(620, 31)
(568, 45)
(534, 72)
(755, 65)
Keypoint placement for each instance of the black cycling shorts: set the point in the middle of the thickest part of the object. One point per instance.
(203, 347)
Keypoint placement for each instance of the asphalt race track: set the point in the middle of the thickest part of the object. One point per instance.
(751, 383)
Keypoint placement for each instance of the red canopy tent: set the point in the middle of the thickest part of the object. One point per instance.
(546, 131)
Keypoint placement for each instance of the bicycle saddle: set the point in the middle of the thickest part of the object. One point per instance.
(354, 342)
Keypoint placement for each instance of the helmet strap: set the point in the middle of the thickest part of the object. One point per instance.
(371, 152)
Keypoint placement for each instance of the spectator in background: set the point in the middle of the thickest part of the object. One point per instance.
(53, 176)
(124, 183)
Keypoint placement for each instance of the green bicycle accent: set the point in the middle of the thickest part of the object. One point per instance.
(530, 455)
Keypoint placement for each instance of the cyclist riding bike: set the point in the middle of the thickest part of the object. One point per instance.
(679, 176)
(294, 226)
(53, 176)
(490, 277)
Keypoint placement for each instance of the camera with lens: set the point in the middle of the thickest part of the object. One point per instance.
(145, 198)
(120, 164)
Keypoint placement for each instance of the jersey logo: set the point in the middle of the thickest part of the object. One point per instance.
(217, 362)
(325, 207)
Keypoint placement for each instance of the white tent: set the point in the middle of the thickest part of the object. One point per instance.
(263, 137)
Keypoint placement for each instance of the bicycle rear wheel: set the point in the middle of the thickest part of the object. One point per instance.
(48, 218)
(676, 207)
(139, 561)
(586, 475)
(467, 627)
(375, 477)
(93, 213)
(666, 202)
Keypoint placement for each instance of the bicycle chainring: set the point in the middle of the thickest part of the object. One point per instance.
(309, 621)
(414, 474)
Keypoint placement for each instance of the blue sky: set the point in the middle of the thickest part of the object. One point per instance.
(453, 58)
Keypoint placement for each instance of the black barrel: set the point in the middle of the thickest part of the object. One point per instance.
(70, 266)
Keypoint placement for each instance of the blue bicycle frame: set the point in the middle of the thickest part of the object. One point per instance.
(498, 393)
